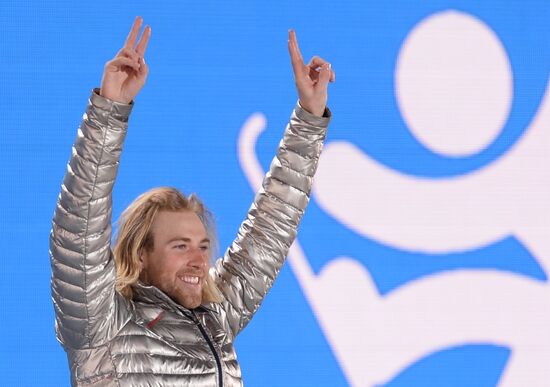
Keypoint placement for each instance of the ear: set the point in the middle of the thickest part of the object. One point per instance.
(143, 259)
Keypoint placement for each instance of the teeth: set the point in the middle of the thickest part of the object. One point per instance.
(190, 279)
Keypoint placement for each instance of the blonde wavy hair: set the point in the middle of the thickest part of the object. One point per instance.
(134, 235)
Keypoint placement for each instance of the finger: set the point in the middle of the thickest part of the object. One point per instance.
(295, 49)
(122, 61)
(332, 73)
(324, 75)
(143, 68)
(317, 63)
(142, 45)
(128, 53)
(295, 54)
(134, 32)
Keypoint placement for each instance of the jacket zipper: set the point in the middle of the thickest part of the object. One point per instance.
(211, 345)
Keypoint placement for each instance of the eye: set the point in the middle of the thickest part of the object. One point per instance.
(180, 246)
(205, 248)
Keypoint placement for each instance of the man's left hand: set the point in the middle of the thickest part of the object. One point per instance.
(311, 79)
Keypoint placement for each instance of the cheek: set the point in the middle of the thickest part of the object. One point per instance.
(174, 263)
(164, 266)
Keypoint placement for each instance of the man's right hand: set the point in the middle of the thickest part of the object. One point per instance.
(125, 74)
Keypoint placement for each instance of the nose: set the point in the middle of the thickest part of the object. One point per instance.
(198, 258)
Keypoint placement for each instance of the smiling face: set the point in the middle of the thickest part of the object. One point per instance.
(177, 264)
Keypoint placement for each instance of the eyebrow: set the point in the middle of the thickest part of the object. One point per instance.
(205, 240)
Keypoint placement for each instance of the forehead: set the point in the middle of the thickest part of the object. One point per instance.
(171, 224)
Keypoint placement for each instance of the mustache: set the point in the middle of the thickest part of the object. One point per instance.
(196, 273)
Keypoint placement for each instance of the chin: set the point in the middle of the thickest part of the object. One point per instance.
(192, 305)
(190, 302)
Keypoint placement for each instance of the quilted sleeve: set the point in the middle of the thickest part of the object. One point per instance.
(88, 310)
(249, 267)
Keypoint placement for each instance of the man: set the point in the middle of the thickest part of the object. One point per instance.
(152, 312)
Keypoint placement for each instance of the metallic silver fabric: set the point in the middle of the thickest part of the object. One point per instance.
(151, 340)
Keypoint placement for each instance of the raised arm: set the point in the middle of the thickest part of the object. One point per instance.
(83, 274)
(251, 264)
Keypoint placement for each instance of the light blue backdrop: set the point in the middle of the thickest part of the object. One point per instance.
(213, 64)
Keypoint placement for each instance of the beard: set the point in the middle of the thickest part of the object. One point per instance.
(187, 299)
(188, 295)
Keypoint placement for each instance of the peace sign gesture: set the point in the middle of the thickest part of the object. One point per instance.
(311, 79)
(125, 74)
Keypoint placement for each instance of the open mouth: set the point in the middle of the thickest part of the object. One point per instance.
(189, 279)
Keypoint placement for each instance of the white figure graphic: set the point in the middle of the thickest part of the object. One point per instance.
(375, 337)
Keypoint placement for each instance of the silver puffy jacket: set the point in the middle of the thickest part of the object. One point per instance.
(151, 340)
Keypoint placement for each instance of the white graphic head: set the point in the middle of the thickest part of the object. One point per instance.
(454, 84)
